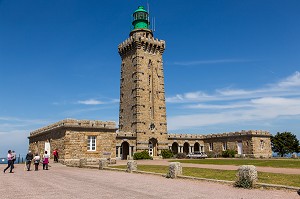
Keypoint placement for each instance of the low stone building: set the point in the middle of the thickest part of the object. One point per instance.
(254, 144)
(76, 139)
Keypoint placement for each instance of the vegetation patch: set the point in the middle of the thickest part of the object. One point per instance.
(167, 154)
(263, 177)
(276, 163)
(229, 153)
(144, 155)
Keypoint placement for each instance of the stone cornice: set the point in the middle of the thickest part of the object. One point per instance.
(253, 133)
(73, 123)
(138, 41)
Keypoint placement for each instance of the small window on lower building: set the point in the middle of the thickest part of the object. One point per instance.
(91, 143)
(211, 146)
(224, 146)
(262, 144)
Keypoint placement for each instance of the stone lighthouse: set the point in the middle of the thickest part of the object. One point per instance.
(142, 114)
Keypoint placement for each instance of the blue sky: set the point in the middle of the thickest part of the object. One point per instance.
(229, 65)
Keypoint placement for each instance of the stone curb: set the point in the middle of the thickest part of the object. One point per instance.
(264, 185)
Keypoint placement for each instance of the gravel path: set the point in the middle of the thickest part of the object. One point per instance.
(66, 182)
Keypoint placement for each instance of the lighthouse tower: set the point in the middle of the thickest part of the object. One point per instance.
(142, 93)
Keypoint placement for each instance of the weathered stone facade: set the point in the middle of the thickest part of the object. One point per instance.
(245, 143)
(70, 137)
(142, 95)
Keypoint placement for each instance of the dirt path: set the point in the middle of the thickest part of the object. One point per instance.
(67, 182)
(212, 166)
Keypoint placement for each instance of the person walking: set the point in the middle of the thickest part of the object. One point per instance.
(29, 158)
(36, 160)
(9, 162)
(14, 157)
(55, 154)
(46, 157)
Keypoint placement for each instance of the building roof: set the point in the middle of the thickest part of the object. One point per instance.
(73, 123)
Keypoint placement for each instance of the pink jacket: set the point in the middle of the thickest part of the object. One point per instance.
(9, 156)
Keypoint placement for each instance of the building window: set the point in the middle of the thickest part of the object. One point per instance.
(262, 145)
(211, 146)
(150, 62)
(91, 143)
(224, 146)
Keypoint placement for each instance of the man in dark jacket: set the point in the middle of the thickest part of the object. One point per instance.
(29, 158)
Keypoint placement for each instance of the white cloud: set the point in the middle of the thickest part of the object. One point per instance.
(289, 86)
(291, 81)
(233, 106)
(97, 102)
(261, 109)
(90, 102)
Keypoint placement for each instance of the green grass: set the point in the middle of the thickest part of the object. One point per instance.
(270, 178)
(277, 163)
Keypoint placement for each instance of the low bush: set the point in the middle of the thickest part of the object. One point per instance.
(167, 154)
(144, 155)
(180, 155)
(229, 153)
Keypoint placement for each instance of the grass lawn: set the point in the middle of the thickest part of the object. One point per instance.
(270, 178)
(278, 163)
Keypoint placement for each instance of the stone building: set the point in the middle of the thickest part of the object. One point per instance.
(142, 114)
(76, 139)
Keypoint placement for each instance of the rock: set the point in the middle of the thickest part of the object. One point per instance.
(246, 176)
(131, 166)
(103, 163)
(82, 162)
(175, 169)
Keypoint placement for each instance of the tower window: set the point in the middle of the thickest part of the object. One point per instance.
(149, 64)
(262, 145)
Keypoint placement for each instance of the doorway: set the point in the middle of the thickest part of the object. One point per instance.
(124, 150)
(153, 147)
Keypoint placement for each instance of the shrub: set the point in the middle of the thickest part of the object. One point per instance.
(181, 155)
(229, 153)
(141, 155)
(246, 177)
(212, 154)
(166, 154)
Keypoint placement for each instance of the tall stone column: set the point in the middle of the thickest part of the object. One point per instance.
(119, 152)
(130, 151)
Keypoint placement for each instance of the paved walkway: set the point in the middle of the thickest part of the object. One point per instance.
(67, 182)
(211, 166)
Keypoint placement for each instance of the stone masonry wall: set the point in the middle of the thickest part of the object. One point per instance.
(142, 95)
(55, 138)
(70, 138)
(262, 147)
(76, 144)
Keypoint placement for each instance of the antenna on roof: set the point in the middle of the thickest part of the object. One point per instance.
(148, 7)
(154, 25)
